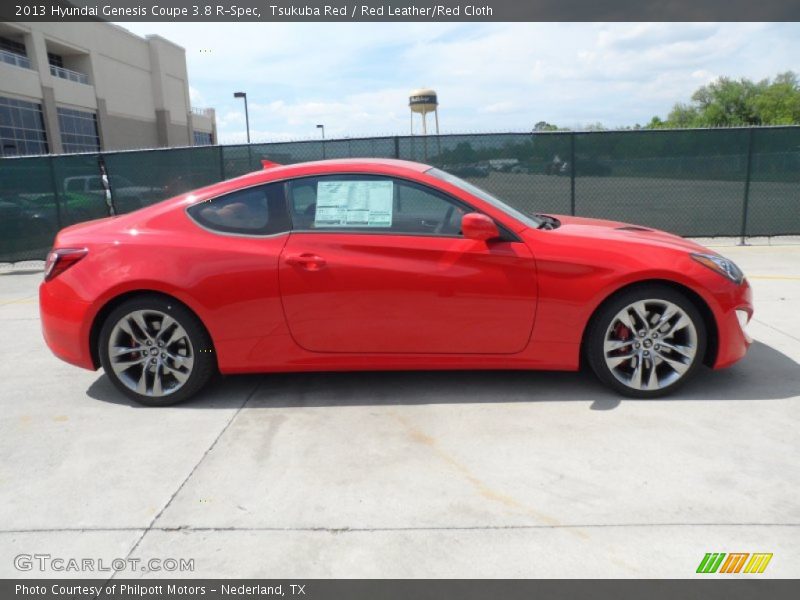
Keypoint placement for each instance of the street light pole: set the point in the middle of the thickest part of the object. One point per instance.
(246, 115)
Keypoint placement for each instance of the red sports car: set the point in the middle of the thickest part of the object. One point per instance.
(381, 264)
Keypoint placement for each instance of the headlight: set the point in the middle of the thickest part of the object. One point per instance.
(720, 264)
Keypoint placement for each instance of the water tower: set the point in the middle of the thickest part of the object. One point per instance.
(424, 101)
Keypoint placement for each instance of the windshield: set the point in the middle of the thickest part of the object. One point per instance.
(485, 196)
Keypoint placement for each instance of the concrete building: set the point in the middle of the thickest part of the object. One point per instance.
(81, 87)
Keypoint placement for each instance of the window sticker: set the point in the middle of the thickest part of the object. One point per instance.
(354, 204)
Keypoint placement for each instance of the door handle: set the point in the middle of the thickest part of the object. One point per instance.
(310, 262)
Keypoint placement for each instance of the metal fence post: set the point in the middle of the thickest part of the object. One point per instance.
(111, 208)
(56, 195)
(572, 173)
(712, 156)
(746, 202)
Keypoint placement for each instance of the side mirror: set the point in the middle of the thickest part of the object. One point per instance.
(476, 226)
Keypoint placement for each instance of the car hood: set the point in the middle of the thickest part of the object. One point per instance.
(616, 231)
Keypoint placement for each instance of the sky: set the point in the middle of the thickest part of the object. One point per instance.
(355, 78)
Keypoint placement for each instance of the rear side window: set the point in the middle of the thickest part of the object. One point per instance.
(255, 211)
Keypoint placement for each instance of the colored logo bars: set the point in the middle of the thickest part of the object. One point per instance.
(714, 562)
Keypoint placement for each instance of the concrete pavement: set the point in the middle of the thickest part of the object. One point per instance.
(501, 474)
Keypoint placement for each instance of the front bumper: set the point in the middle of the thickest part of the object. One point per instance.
(733, 340)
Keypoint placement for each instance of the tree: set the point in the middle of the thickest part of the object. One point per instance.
(544, 126)
(683, 115)
(727, 102)
(730, 102)
(598, 126)
(780, 102)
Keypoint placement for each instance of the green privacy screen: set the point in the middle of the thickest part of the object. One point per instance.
(712, 182)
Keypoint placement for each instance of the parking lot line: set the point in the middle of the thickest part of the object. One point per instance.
(22, 300)
(775, 277)
(373, 474)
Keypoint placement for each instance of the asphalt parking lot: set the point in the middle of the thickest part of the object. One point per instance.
(408, 474)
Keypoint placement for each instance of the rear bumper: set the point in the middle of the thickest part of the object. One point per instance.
(733, 339)
(64, 325)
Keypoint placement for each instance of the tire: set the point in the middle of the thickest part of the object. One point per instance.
(163, 354)
(656, 363)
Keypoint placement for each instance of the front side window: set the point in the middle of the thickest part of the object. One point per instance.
(258, 210)
(371, 203)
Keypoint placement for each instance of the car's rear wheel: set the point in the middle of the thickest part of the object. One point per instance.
(156, 351)
(646, 341)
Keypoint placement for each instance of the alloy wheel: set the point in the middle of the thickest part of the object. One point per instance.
(151, 353)
(650, 344)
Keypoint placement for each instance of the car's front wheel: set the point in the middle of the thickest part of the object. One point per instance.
(646, 341)
(155, 351)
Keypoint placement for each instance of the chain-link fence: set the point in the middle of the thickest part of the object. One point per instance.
(715, 182)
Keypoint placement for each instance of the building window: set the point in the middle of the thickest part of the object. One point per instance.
(13, 53)
(57, 69)
(201, 138)
(12, 46)
(21, 128)
(55, 60)
(78, 130)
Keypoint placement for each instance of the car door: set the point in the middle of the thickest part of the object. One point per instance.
(378, 265)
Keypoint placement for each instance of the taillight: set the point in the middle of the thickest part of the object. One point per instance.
(62, 259)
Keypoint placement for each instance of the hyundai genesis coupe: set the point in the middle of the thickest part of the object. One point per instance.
(369, 264)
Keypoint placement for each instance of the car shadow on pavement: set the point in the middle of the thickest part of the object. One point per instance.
(8, 272)
(764, 374)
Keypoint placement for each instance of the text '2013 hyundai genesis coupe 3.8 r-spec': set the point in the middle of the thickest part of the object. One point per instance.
(378, 265)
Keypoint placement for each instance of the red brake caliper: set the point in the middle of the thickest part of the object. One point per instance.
(622, 332)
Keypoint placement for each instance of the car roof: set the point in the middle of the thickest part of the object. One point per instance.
(349, 163)
(321, 167)
(381, 166)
